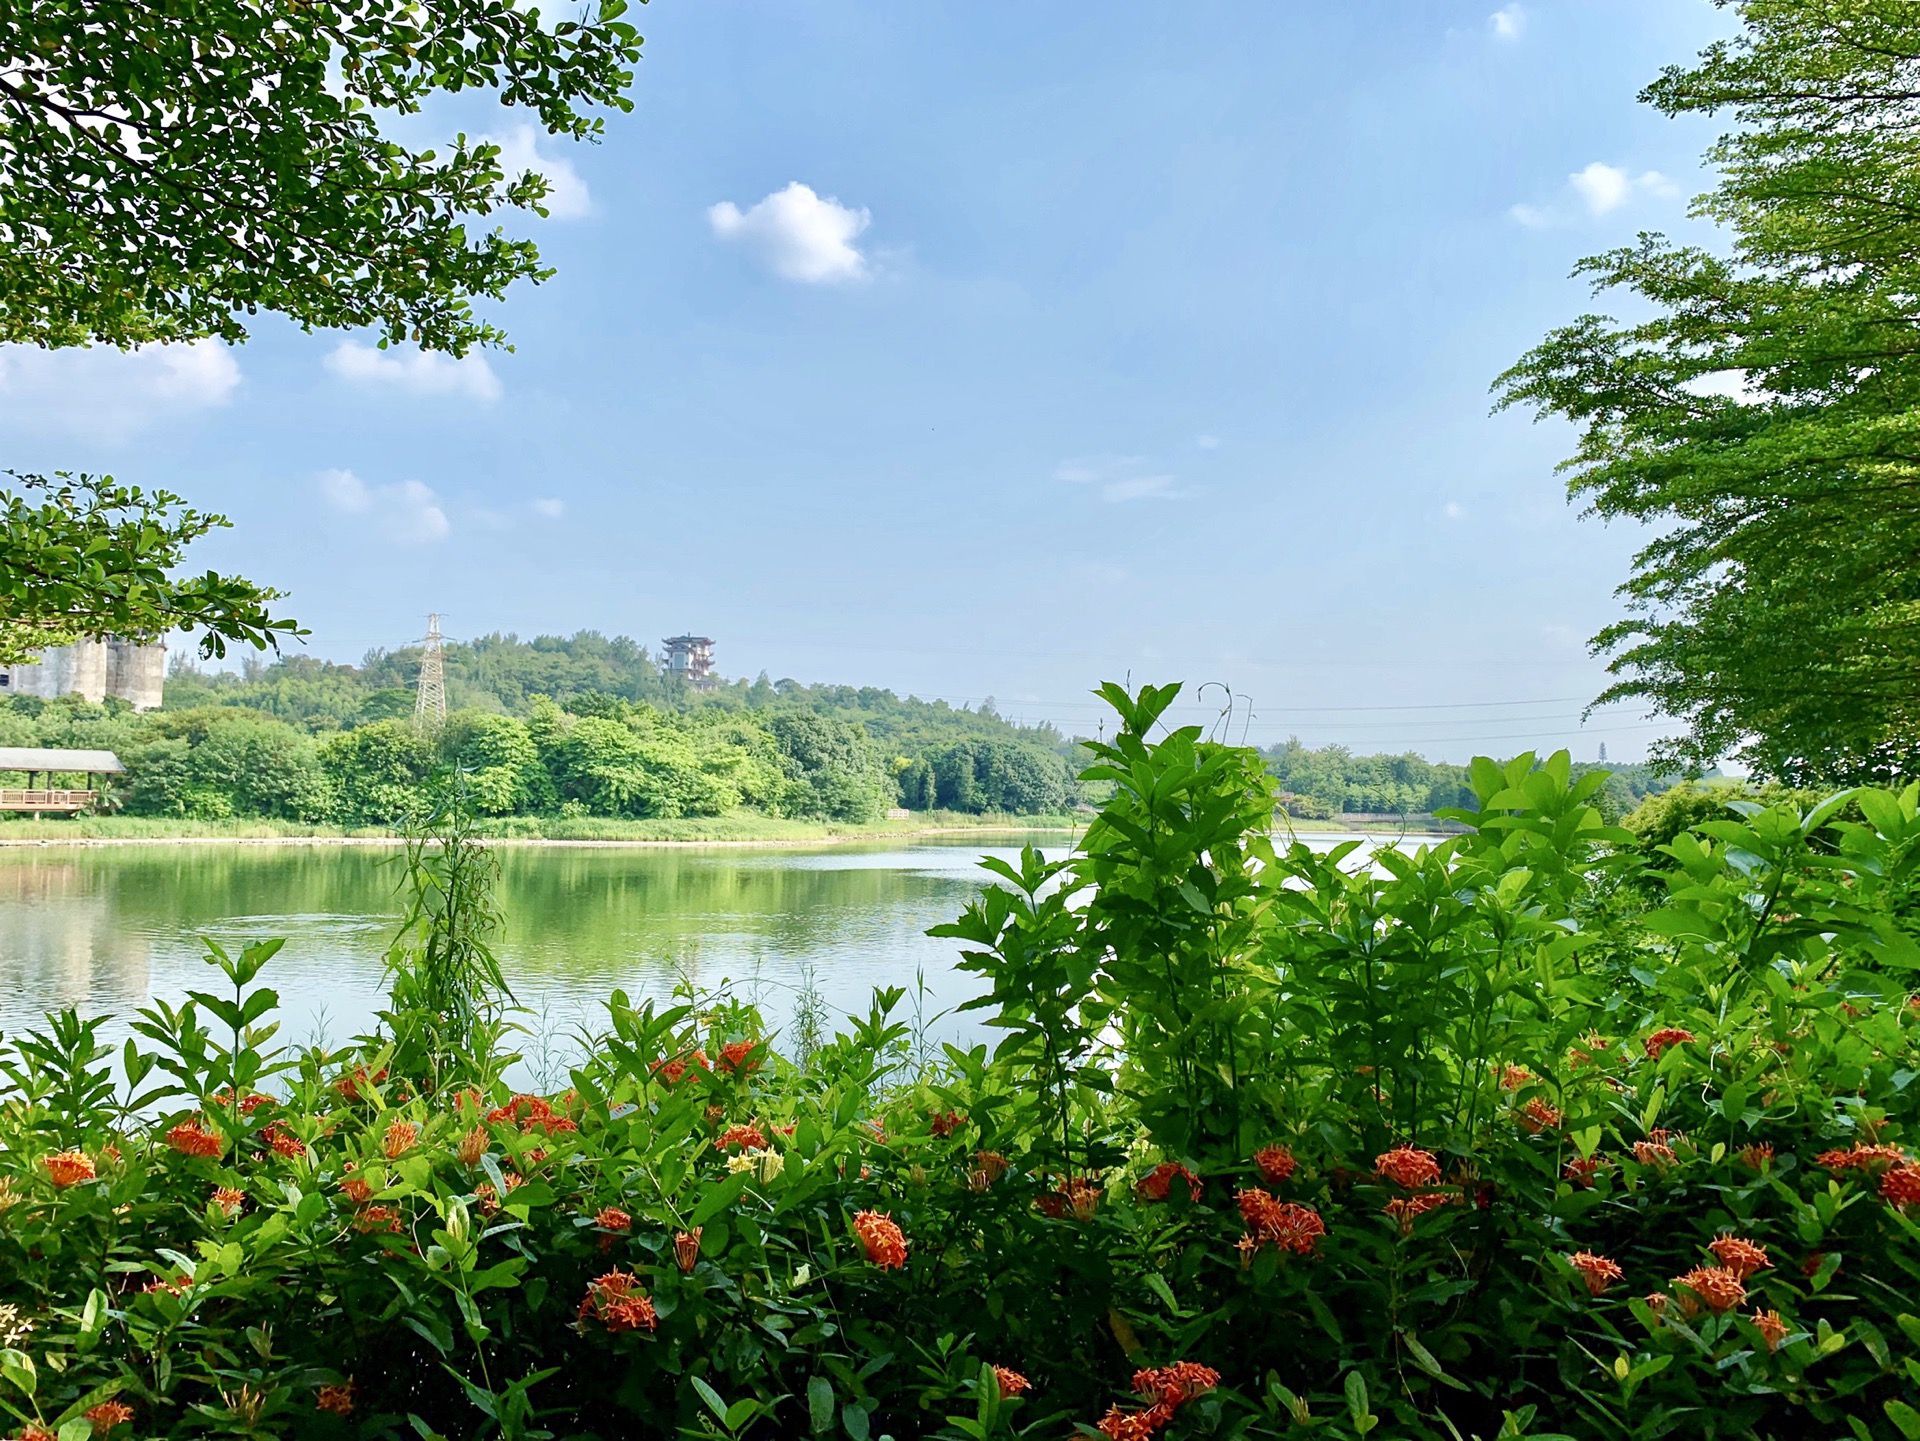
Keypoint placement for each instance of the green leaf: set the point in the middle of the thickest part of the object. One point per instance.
(712, 1398)
(820, 1405)
(1903, 1416)
(854, 1418)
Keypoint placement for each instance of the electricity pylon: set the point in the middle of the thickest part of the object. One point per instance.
(430, 700)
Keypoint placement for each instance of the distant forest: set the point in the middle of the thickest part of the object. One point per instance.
(584, 725)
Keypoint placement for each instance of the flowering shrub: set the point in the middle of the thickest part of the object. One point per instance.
(1514, 1135)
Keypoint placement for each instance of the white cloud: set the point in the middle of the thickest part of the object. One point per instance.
(407, 513)
(1601, 189)
(417, 372)
(105, 394)
(567, 195)
(1118, 478)
(552, 509)
(799, 235)
(1508, 21)
(1208, 442)
(1452, 510)
(1141, 487)
(1727, 385)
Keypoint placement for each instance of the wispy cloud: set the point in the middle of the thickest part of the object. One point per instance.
(1508, 21)
(1598, 189)
(107, 394)
(567, 195)
(416, 372)
(1208, 442)
(404, 513)
(797, 234)
(1120, 478)
(549, 507)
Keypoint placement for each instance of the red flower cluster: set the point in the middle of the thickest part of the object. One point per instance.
(1740, 1256)
(190, 1138)
(1653, 1153)
(530, 1113)
(1582, 1169)
(1077, 1194)
(674, 1069)
(1408, 1166)
(68, 1168)
(686, 1249)
(1900, 1186)
(1716, 1287)
(399, 1139)
(1593, 1049)
(616, 1302)
(1012, 1383)
(1408, 1209)
(885, 1245)
(1288, 1225)
(377, 1218)
(336, 1400)
(249, 1103)
(488, 1198)
(1155, 1185)
(612, 1218)
(1537, 1116)
(734, 1058)
(1772, 1327)
(1167, 1389)
(283, 1142)
(229, 1200)
(1512, 1078)
(1755, 1157)
(1861, 1158)
(107, 1415)
(1667, 1036)
(1275, 1164)
(1597, 1271)
(748, 1137)
(356, 1190)
(349, 1085)
(945, 1123)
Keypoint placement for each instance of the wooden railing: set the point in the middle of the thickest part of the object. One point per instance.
(46, 800)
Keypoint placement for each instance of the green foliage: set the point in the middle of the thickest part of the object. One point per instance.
(90, 557)
(1363, 1140)
(837, 772)
(1761, 418)
(380, 771)
(987, 774)
(168, 173)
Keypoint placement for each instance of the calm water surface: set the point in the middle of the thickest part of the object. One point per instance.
(109, 928)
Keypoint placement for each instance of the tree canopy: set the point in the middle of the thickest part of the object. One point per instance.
(1764, 418)
(168, 170)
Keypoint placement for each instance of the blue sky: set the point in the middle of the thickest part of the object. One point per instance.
(994, 349)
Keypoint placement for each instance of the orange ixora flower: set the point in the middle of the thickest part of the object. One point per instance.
(68, 1168)
(1740, 1256)
(1593, 1049)
(1012, 1383)
(1077, 1194)
(1127, 1425)
(377, 1218)
(1666, 1037)
(1772, 1327)
(229, 1200)
(1715, 1287)
(1288, 1225)
(190, 1138)
(674, 1069)
(945, 1123)
(1177, 1384)
(284, 1143)
(1900, 1186)
(1408, 1209)
(107, 1415)
(748, 1138)
(1537, 1116)
(337, 1399)
(885, 1245)
(399, 1139)
(1158, 1183)
(1581, 1170)
(1597, 1271)
(488, 1198)
(735, 1057)
(473, 1146)
(1408, 1166)
(1653, 1153)
(612, 1218)
(1756, 1157)
(34, 1432)
(1512, 1078)
(686, 1249)
(1861, 1158)
(1275, 1164)
(356, 1189)
(616, 1302)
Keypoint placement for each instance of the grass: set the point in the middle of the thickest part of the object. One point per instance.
(740, 826)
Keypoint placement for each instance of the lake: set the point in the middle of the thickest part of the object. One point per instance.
(107, 928)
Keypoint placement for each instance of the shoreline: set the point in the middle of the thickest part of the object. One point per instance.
(531, 842)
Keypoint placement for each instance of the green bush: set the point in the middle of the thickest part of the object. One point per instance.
(1473, 1140)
